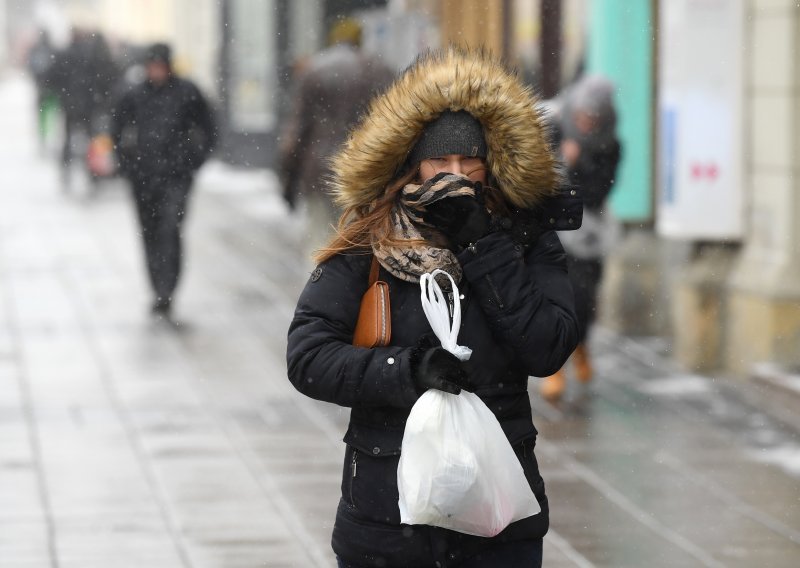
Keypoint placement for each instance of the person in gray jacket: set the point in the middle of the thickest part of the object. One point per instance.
(332, 90)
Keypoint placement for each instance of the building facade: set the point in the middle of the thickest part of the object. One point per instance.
(729, 298)
(721, 276)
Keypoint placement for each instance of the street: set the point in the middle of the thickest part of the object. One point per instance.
(128, 442)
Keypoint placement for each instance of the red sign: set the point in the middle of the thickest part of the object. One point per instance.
(704, 171)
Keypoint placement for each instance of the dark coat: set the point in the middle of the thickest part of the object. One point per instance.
(330, 95)
(595, 171)
(40, 60)
(82, 76)
(518, 319)
(162, 131)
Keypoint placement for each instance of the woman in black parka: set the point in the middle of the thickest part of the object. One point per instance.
(447, 170)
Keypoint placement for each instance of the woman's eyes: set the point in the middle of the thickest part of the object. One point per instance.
(465, 163)
(467, 166)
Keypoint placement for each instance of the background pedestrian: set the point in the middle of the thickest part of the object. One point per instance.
(83, 76)
(40, 62)
(163, 131)
(591, 152)
(332, 89)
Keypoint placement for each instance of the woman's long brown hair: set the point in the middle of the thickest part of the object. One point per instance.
(360, 227)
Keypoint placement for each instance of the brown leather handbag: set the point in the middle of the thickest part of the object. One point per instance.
(374, 326)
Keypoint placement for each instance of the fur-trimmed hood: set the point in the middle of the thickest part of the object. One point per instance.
(519, 158)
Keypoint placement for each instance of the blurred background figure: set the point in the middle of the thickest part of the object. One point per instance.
(587, 121)
(40, 61)
(163, 131)
(331, 90)
(83, 75)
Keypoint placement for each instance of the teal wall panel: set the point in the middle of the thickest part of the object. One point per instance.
(621, 40)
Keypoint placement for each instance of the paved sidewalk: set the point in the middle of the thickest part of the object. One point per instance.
(128, 442)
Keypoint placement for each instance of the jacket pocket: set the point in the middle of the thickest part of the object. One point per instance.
(369, 486)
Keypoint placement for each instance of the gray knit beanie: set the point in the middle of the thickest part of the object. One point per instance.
(159, 53)
(450, 133)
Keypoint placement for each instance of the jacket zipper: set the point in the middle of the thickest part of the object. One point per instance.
(354, 469)
(495, 293)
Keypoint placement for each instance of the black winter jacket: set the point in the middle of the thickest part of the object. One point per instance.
(519, 320)
(595, 171)
(163, 131)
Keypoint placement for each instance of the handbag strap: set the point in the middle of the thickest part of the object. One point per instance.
(373, 271)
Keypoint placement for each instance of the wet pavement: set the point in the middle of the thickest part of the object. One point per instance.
(129, 442)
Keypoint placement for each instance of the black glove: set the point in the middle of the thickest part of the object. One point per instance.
(463, 220)
(439, 369)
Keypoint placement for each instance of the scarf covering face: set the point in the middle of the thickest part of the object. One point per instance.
(413, 260)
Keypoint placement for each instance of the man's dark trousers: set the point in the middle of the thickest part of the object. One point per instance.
(161, 204)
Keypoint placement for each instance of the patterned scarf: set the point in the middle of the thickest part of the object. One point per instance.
(412, 261)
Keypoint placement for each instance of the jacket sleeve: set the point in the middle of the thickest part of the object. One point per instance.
(321, 360)
(526, 297)
(121, 118)
(201, 131)
(294, 140)
(595, 172)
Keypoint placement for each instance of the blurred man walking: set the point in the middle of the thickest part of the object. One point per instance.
(163, 131)
(332, 90)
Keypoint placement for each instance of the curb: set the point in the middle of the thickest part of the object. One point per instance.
(777, 377)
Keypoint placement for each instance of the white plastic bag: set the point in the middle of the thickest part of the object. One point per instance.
(457, 470)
